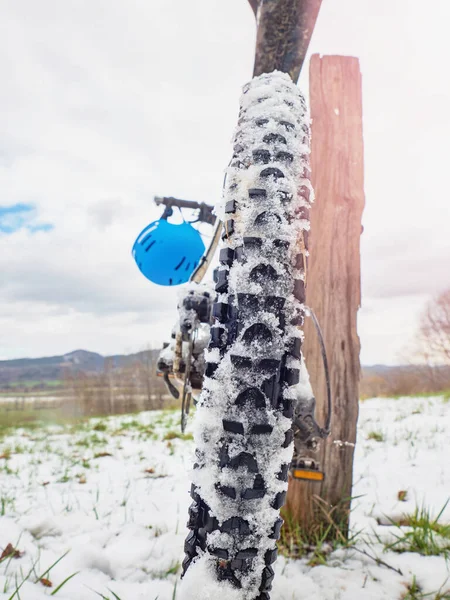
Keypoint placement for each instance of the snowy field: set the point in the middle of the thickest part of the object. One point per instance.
(105, 505)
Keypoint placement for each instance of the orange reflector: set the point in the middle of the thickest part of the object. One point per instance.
(309, 474)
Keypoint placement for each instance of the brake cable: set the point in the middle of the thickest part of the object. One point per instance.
(326, 430)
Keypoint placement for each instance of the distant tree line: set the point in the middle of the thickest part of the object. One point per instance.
(119, 388)
(429, 368)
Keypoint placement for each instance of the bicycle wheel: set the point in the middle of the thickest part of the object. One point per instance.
(243, 425)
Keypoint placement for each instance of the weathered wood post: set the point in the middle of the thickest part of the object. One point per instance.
(333, 287)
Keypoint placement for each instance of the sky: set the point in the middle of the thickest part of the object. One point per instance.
(106, 103)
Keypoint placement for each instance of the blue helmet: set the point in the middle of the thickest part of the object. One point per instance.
(167, 253)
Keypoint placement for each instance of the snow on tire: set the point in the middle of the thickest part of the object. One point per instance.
(243, 426)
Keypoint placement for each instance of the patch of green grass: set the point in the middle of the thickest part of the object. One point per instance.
(7, 469)
(328, 531)
(91, 440)
(113, 597)
(96, 440)
(84, 442)
(7, 503)
(19, 449)
(147, 431)
(5, 453)
(420, 395)
(444, 393)
(133, 424)
(297, 543)
(65, 477)
(100, 426)
(172, 570)
(377, 436)
(56, 590)
(414, 592)
(424, 535)
(33, 419)
(32, 383)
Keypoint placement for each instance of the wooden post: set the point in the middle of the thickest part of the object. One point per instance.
(333, 287)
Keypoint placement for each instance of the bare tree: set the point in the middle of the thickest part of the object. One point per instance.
(435, 329)
(152, 387)
(147, 373)
(434, 341)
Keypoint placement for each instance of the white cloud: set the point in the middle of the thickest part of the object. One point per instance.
(107, 103)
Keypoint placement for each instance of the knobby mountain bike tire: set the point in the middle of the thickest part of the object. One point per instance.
(243, 426)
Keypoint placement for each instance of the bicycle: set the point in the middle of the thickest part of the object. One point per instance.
(255, 422)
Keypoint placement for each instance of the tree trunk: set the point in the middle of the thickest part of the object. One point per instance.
(333, 286)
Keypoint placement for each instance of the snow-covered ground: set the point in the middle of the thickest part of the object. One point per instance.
(109, 501)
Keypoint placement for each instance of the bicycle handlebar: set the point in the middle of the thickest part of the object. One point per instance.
(205, 214)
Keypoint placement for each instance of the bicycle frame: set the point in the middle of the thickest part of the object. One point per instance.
(284, 30)
(253, 361)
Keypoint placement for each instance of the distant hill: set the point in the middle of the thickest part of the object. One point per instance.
(50, 373)
(77, 357)
(384, 369)
(54, 368)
